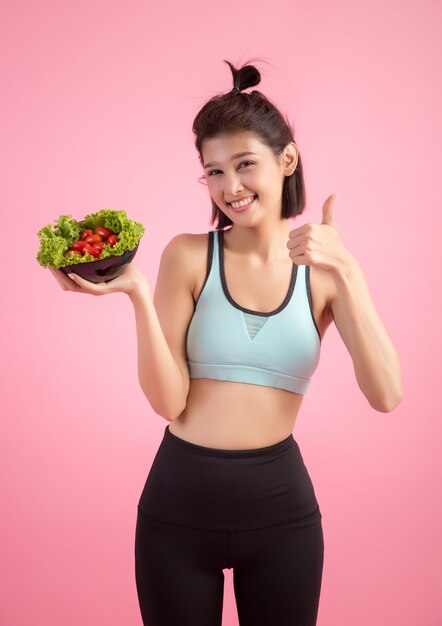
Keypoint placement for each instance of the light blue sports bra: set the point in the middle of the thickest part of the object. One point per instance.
(226, 341)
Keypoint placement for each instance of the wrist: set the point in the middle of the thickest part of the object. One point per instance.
(346, 267)
(140, 289)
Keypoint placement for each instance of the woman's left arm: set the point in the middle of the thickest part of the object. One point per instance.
(375, 359)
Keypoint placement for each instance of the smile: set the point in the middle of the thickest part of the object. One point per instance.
(243, 203)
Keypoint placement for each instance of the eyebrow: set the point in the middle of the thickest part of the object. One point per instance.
(235, 156)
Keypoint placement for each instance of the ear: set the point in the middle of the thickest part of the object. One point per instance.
(290, 158)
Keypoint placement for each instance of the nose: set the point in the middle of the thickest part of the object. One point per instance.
(232, 185)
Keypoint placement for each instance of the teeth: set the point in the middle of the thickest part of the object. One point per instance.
(242, 203)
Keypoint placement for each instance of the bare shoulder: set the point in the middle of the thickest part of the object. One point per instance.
(190, 251)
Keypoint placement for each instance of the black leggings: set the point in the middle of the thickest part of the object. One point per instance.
(203, 510)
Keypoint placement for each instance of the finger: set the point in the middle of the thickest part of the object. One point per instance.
(297, 251)
(298, 231)
(295, 241)
(299, 259)
(327, 211)
(63, 280)
(88, 286)
(54, 274)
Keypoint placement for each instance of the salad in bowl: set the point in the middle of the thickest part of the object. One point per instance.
(96, 248)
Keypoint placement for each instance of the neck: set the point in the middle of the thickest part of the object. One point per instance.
(264, 243)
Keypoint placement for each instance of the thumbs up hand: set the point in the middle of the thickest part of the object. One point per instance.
(318, 244)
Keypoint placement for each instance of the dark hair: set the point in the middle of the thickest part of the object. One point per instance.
(233, 112)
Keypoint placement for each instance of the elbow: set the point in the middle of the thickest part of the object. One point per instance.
(173, 413)
(393, 396)
(169, 411)
(177, 410)
(387, 404)
(169, 416)
(385, 398)
(166, 413)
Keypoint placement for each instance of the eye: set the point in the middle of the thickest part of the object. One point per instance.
(242, 163)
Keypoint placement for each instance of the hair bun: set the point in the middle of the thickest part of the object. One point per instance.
(244, 77)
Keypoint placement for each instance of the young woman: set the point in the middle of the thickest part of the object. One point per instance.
(226, 353)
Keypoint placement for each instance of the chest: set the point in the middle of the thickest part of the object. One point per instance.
(264, 288)
(258, 288)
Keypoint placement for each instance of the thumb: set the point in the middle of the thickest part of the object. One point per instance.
(327, 211)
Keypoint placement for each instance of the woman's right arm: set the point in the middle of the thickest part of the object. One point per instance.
(158, 373)
(162, 326)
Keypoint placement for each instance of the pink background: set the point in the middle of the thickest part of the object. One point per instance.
(98, 100)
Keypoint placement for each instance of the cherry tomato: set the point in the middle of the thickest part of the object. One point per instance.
(103, 232)
(93, 251)
(93, 239)
(112, 240)
(77, 252)
(99, 245)
(86, 233)
(78, 245)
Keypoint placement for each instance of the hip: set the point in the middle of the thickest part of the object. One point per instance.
(222, 489)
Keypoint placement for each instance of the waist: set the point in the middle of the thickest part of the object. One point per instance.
(223, 489)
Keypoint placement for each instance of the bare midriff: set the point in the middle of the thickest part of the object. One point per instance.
(236, 416)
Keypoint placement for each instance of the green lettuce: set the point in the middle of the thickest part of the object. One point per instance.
(56, 240)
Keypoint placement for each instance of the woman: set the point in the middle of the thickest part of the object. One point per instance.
(225, 354)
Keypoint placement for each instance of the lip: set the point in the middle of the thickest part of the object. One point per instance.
(243, 208)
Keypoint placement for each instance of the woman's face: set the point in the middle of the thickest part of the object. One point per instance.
(259, 175)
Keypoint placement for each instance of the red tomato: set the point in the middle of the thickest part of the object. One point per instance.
(91, 250)
(78, 245)
(99, 245)
(93, 239)
(86, 233)
(112, 240)
(103, 232)
(77, 252)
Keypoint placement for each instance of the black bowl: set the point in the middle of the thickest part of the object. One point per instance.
(103, 270)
